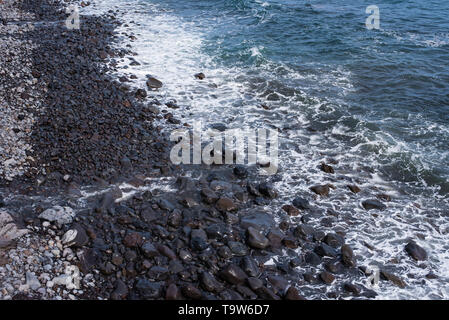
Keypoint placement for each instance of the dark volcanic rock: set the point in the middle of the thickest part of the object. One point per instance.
(293, 294)
(192, 292)
(147, 289)
(209, 283)
(257, 220)
(322, 190)
(267, 190)
(354, 188)
(327, 277)
(324, 250)
(301, 203)
(304, 231)
(373, 204)
(173, 292)
(198, 244)
(256, 239)
(238, 248)
(334, 240)
(250, 267)
(327, 168)
(154, 83)
(347, 256)
(392, 278)
(267, 294)
(415, 251)
(209, 196)
(226, 204)
(233, 274)
(241, 171)
(312, 258)
(200, 76)
(132, 240)
(120, 290)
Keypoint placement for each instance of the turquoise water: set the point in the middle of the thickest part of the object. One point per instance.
(389, 89)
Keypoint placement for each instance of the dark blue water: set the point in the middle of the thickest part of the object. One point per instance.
(390, 90)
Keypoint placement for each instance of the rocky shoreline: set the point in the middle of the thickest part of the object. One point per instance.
(92, 208)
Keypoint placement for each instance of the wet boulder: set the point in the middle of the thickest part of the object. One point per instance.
(256, 239)
(415, 251)
(371, 204)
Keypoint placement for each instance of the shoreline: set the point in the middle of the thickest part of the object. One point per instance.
(206, 236)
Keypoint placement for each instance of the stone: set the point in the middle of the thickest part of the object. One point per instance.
(250, 266)
(141, 93)
(371, 204)
(393, 278)
(166, 251)
(354, 188)
(324, 250)
(226, 253)
(192, 292)
(233, 274)
(255, 283)
(326, 168)
(133, 240)
(279, 284)
(334, 240)
(209, 283)
(209, 196)
(241, 171)
(327, 277)
(32, 281)
(293, 294)
(172, 292)
(312, 258)
(226, 205)
(304, 231)
(291, 210)
(275, 237)
(216, 231)
(238, 248)
(256, 239)
(149, 250)
(347, 256)
(120, 290)
(198, 244)
(58, 214)
(267, 190)
(200, 76)
(266, 294)
(301, 203)
(355, 289)
(257, 220)
(154, 83)
(246, 292)
(147, 289)
(9, 230)
(76, 237)
(415, 251)
(322, 190)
